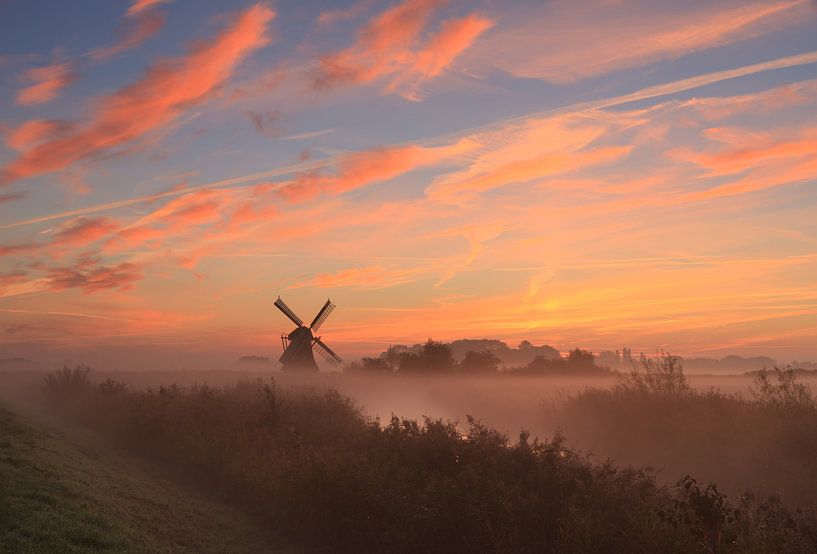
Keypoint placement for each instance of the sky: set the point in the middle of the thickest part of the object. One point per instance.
(579, 174)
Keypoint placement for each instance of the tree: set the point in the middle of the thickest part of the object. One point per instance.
(480, 362)
(579, 359)
(370, 365)
(434, 357)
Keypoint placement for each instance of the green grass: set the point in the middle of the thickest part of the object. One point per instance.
(62, 493)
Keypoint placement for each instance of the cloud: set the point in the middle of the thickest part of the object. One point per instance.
(12, 196)
(570, 40)
(330, 17)
(46, 83)
(364, 168)
(372, 277)
(83, 231)
(264, 121)
(33, 132)
(380, 44)
(136, 31)
(166, 91)
(534, 149)
(89, 276)
(138, 7)
(454, 37)
(391, 44)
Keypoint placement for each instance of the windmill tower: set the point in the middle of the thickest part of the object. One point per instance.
(299, 343)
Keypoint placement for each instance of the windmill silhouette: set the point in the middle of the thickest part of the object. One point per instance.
(299, 343)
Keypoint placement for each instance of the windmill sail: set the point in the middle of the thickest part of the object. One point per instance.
(326, 353)
(289, 313)
(322, 315)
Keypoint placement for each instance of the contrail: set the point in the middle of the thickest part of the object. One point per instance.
(642, 94)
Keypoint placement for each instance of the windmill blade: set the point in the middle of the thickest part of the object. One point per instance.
(289, 313)
(322, 315)
(326, 352)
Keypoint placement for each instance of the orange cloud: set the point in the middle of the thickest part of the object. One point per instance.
(47, 82)
(33, 132)
(84, 230)
(166, 91)
(454, 37)
(370, 166)
(140, 6)
(373, 277)
(382, 43)
(388, 45)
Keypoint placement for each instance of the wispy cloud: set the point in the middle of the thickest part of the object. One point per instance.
(45, 83)
(167, 90)
(566, 41)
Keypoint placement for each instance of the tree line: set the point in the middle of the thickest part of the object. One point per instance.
(437, 358)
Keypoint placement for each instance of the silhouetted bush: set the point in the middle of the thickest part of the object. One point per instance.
(314, 467)
(67, 382)
(653, 414)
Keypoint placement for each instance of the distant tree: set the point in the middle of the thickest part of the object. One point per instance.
(579, 359)
(480, 362)
(434, 358)
(541, 365)
(370, 365)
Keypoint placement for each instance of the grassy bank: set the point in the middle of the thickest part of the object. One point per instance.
(314, 467)
(63, 494)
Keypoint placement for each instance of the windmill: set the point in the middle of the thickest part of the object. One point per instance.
(299, 343)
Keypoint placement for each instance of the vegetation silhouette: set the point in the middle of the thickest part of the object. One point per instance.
(313, 466)
(437, 358)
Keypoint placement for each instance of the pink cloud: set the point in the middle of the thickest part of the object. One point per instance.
(454, 37)
(90, 277)
(389, 45)
(46, 83)
(166, 91)
(33, 132)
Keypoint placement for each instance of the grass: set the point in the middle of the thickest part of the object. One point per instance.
(61, 493)
(318, 470)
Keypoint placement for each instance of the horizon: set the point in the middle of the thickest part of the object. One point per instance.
(639, 175)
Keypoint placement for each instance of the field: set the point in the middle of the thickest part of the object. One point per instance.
(303, 460)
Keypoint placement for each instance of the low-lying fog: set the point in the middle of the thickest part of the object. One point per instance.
(507, 403)
(713, 438)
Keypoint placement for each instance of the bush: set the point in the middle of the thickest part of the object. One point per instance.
(787, 396)
(662, 377)
(652, 415)
(317, 469)
(67, 382)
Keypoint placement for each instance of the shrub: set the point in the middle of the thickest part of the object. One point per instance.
(68, 382)
(314, 467)
(787, 396)
(662, 377)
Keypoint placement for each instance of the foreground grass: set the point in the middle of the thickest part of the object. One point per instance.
(315, 468)
(57, 495)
